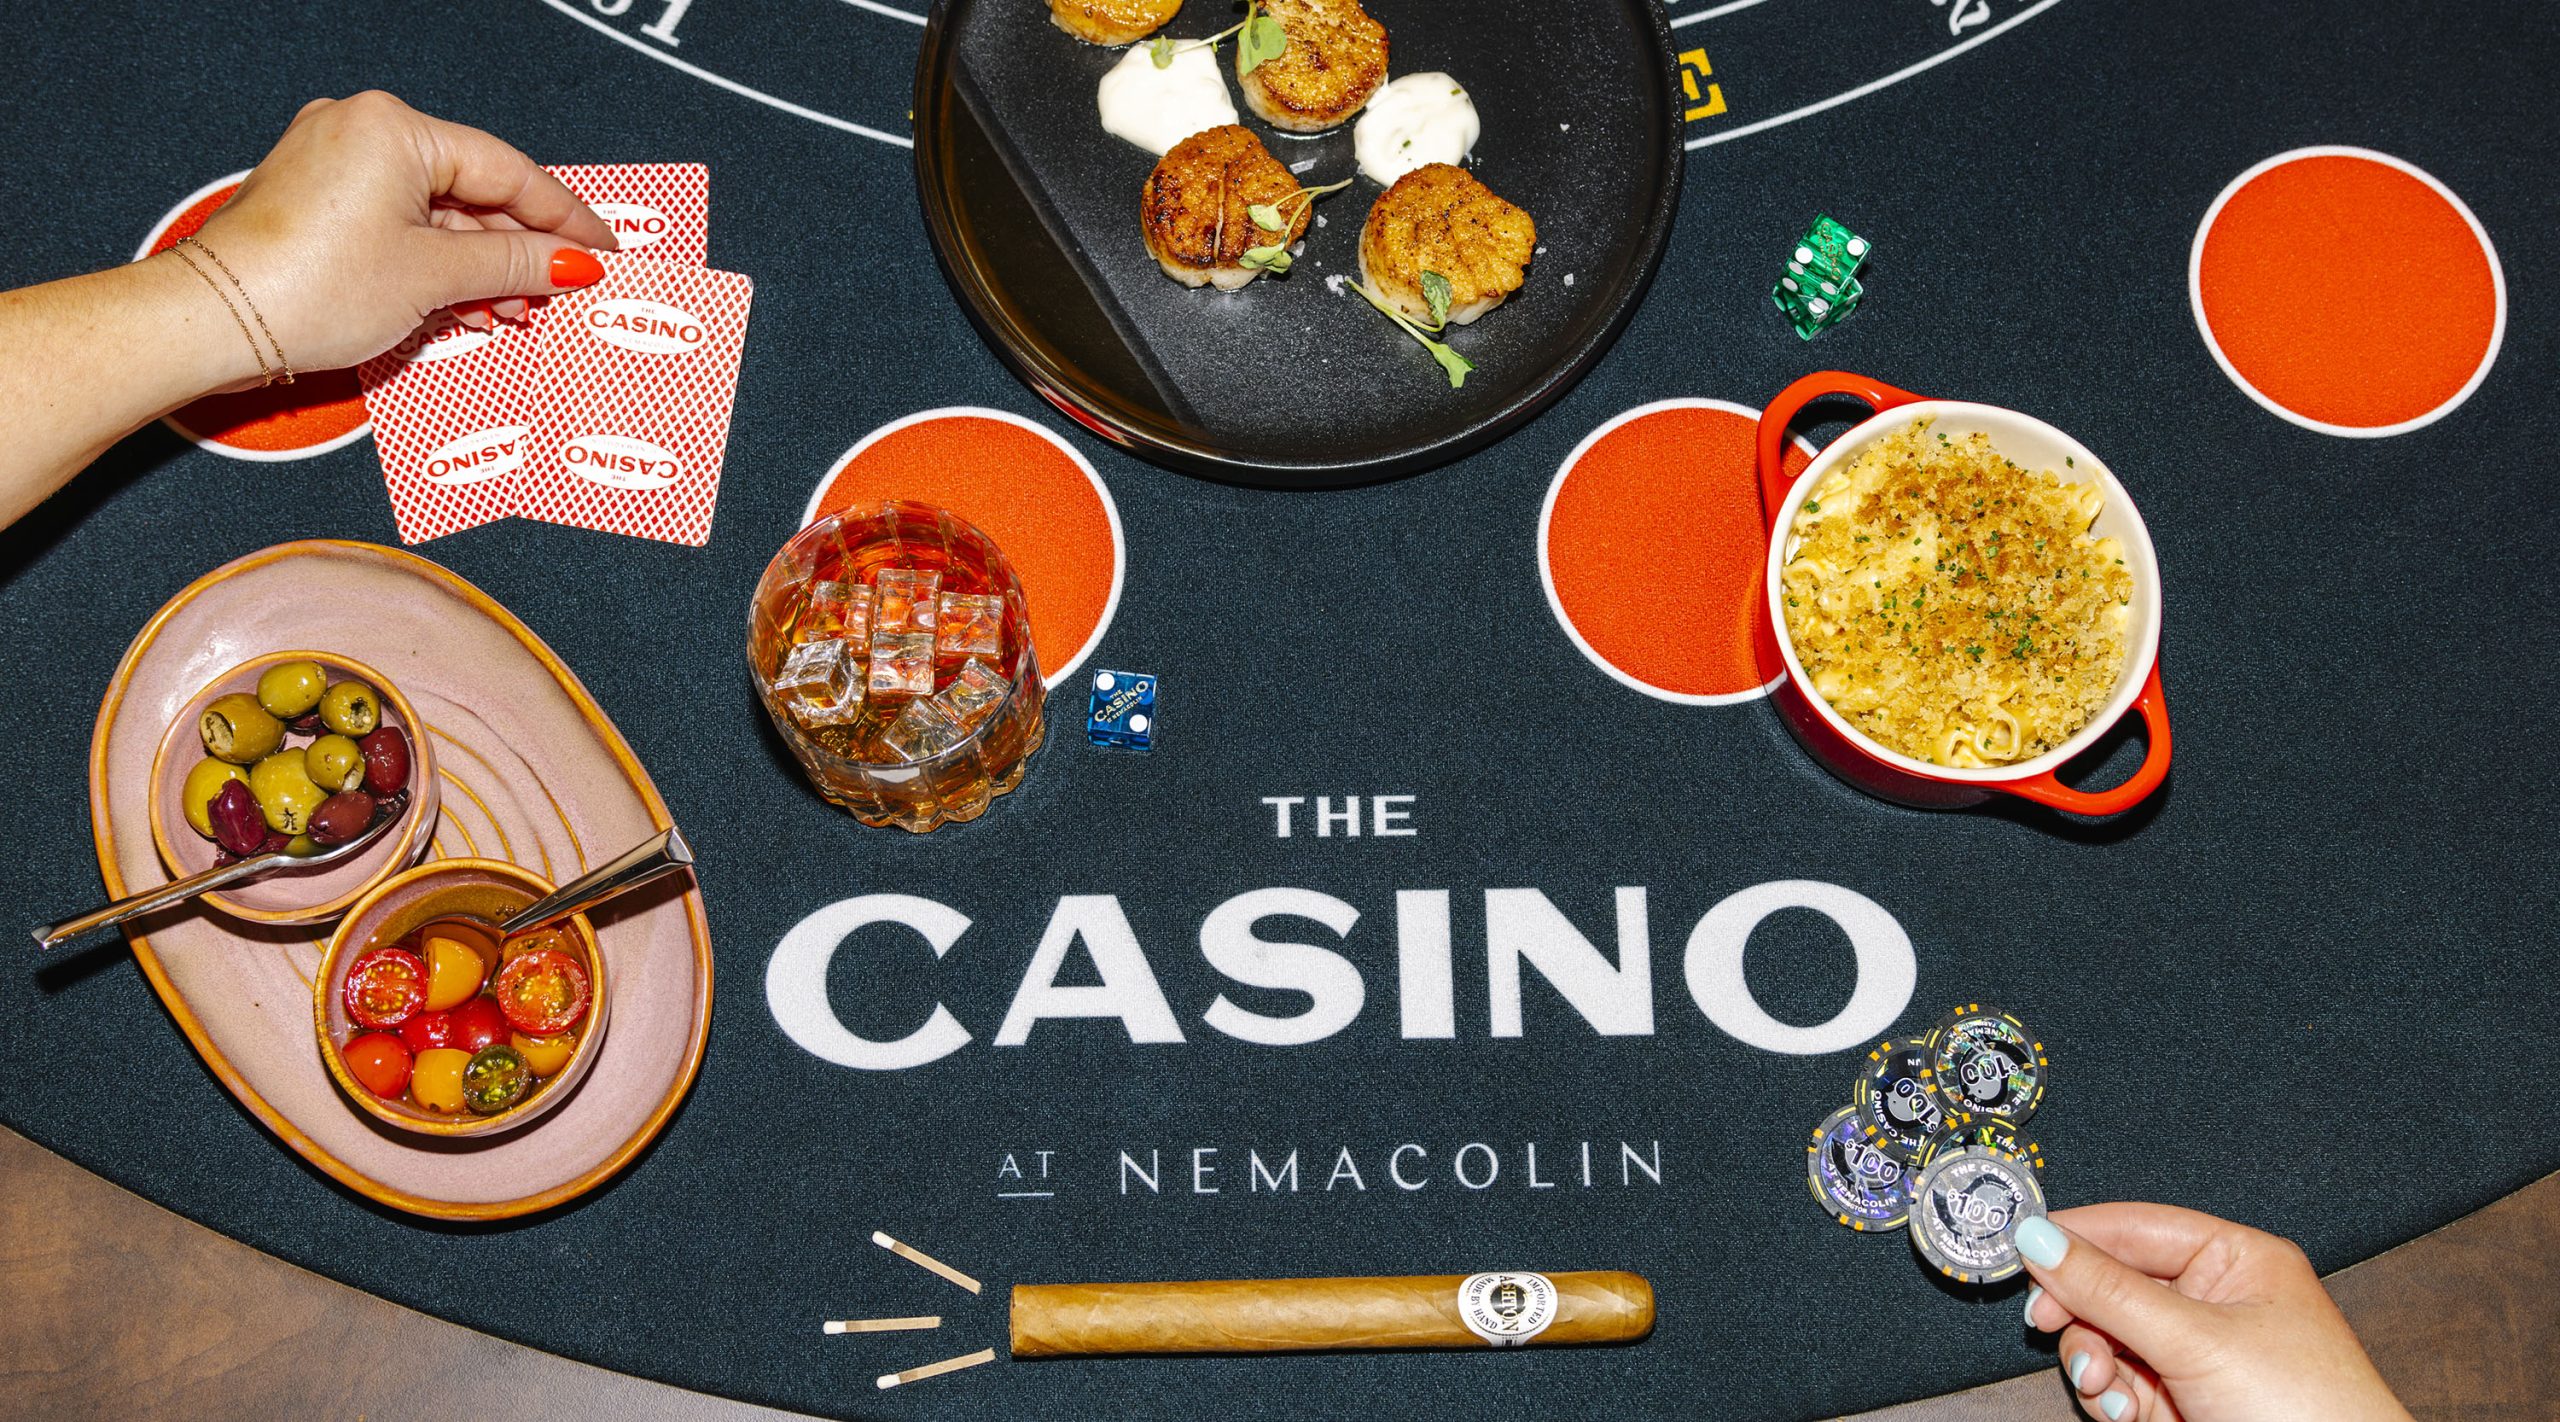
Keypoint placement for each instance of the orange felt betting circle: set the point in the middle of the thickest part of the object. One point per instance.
(1023, 487)
(318, 412)
(1653, 548)
(2347, 291)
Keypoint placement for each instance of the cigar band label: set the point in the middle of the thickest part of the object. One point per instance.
(1507, 1310)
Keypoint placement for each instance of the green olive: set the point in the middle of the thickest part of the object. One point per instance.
(351, 709)
(203, 783)
(302, 846)
(290, 688)
(336, 762)
(237, 729)
(282, 782)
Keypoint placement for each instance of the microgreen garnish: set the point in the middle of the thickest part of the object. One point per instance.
(1260, 39)
(1455, 364)
(1436, 291)
(1276, 216)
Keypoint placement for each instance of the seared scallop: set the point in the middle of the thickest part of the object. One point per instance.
(1337, 58)
(1112, 21)
(1196, 207)
(1440, 219)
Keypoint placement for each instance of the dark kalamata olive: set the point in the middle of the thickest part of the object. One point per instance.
(386, 760)
(306, 724)
(342, 817)
(276, 842)
(238, 824)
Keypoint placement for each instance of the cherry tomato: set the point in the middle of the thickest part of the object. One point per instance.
(427, 1029)
(378, 1060)
(436, 1081)
(478, 1023)
(385, 986)
(534, 942)
(542, 992)
(494, 1079)
(546, 1055)
(454, 972)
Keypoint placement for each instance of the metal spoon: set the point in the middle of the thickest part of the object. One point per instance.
(221, 876)
(660, 854)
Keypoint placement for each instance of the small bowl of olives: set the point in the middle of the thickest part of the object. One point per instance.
(431, 1022)
(293, 751)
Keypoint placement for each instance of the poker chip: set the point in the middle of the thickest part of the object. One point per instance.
(1996, 1136)
(1984, 1061)
(1897, 1100)
(1856, 1183)
(1965, 1209)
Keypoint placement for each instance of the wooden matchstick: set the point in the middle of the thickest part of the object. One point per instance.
(923, 1260)
(935, 1370)
(881, 1325)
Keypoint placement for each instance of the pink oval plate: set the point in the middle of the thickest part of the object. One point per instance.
(532, 772)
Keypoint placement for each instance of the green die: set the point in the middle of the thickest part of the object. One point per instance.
(1831, 246)
(1812, 312)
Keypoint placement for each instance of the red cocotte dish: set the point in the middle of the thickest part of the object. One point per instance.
(2031, 444)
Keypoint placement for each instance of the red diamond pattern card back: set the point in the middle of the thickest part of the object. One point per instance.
(638, 374)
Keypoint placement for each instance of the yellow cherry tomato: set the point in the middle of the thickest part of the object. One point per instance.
(546, 1055)
(435, 1079)
(454, 974)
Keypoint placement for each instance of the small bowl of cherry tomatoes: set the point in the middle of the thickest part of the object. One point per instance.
(432, 1022)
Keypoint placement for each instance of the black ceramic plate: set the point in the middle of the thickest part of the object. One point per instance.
(1033, 210)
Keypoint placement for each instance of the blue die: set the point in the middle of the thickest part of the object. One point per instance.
(1123, 710)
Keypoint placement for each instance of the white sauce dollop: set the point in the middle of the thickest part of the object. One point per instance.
(1158, 108)
(1416, 120)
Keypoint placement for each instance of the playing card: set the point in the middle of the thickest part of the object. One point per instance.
(657, 210)
(448, 407)
(631, 406)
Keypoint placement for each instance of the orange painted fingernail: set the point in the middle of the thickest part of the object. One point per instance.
(573, 267)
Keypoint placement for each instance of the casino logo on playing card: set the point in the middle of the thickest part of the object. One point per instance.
(620, 462)
(649, 327)
(476, 458)
(634, 225)
(441, 339)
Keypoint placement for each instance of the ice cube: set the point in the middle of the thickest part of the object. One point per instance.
(906, 601)
(815, 673)
(843, 711)
(969, 625)
(901, 664)
(836, 610)
(922, 730)
(976, 690)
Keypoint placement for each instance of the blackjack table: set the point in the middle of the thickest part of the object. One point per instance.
(1474, 908)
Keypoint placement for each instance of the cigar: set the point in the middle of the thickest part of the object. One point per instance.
(1290, 1315)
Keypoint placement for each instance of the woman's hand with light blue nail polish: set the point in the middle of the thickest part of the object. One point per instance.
(2174, 1316)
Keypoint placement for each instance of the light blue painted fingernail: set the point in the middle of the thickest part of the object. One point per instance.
(2041, 1242)
(2079, 1365)
(2034, 1292)
(2113, 1404)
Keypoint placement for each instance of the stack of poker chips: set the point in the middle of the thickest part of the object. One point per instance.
(1930, 1140)
(1820, 287)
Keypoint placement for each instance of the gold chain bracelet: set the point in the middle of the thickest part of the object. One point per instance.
(282, 364)
(268, 375)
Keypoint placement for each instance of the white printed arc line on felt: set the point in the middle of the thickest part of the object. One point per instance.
(233, 451)
(1547, 574)
(875, 7)
(2488, 250)
(1110, 511)
(732, 85)
(1860, 92)
(1726, 8)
